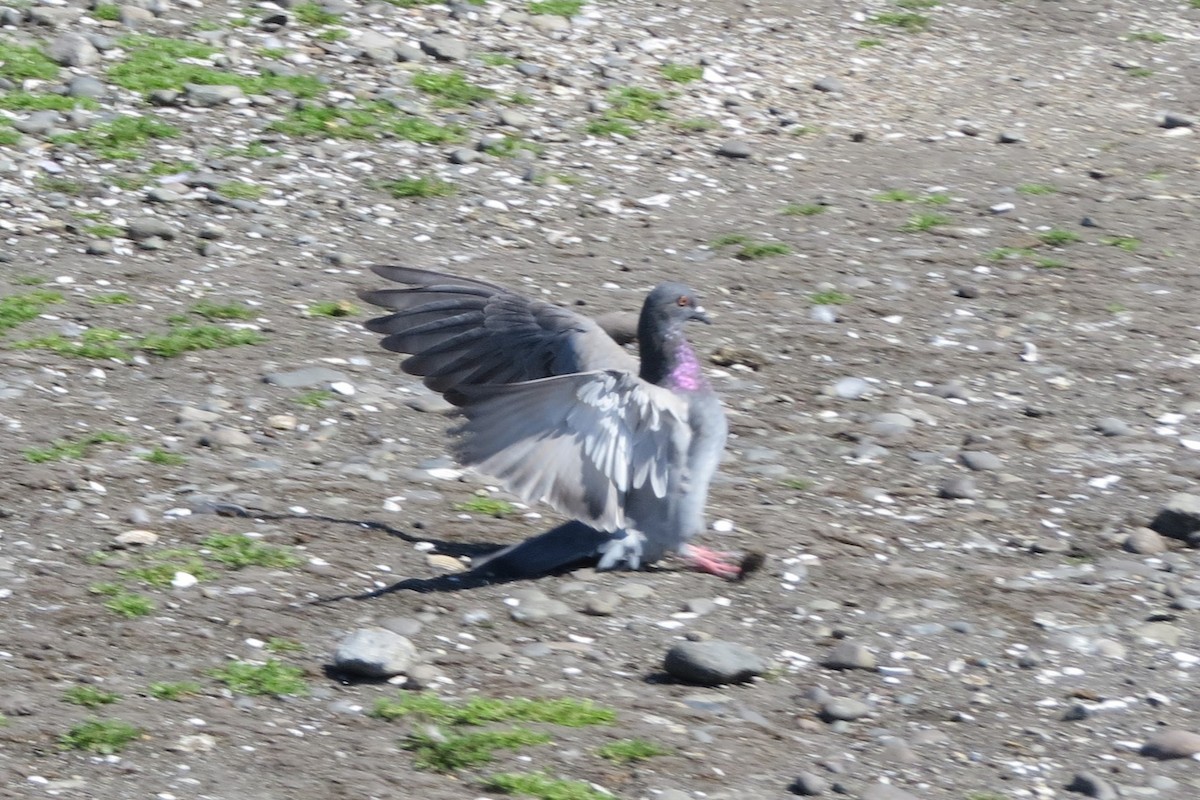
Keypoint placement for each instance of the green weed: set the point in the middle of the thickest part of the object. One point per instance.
(483, 710)
(803, 209)
(199, 337)
(333, 308)
(173, 691)
(18, 63)
(97, 343)
(127, 604)
(450, 89)
(752, 251)
(511, 146)
(543, 787)
(64, 448)
(1036, 188)
(628, 104)
(164, 458)
(221, 311)
(486, 505)
(277, 645)
(317, 398)
(444, 752)
(1154, 37)
(26, 101)
(830, 297)
(272, 678)
(896, 196)
(1049, 263)
(918, 223)
(1007, 253)
(907, 21)
(370, 120)
(90, 696)
(161, 572)
(867, 44)
(423, 187)
(1127, 243)
(238, 551)
(627, 751)
(106, 11)
(313, 14)
(730, 239)
(121, 138)
(682, 73)
(1058, 237)
(797, 484)
(557, 8)
(497, 59)
(104, 737)
(1139, 72)
(936, 199)
(241, 190)
(333, 35)
(18, 308)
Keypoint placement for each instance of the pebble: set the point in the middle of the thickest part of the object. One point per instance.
(307, 376)
(980, 460)
(851, 388)
(1171, 119)
(959, 487)
(829, 85)
(602, 604)
(1179, 518)
(534, 611)
(1146, 542)
(143, 228)
(1091, 785)
(136, 538)
(73, 50)
(850, 655)
(374, 653)
(806, 784)
(1172, 743)
(1111, 426)
(735, 148)
(444, 48)
(844, 709)
(712, 663)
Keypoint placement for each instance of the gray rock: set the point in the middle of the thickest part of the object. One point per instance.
(550, 23)
(1145, 542)
(1179, 518)
(885, 791)
(72, 50)
(602, 604)
(54, 17)
(531, 612)
(1111, 426)
(1009, 137)
(376, 47)
(958, 487)
(844, 709)
(735, 148)
(851, 388)
(980, 460)
(514, 118)
(712, 663)
(444, 48)
(1172, 743)
(807, 784)
(405, 626)
(1172, 120)
(86, 86)
(132, 16)
(308, 376)
(828, 85)
(374, 653)
(1092, 785)
(38, 123)
(227, 437)
(206, 96)
(142, 228)
(408, 53)
(850, 655)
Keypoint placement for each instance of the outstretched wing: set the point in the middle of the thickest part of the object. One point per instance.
(463, 332)
(580, 442)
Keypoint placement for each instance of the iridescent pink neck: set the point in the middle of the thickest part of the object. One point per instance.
(686, 376)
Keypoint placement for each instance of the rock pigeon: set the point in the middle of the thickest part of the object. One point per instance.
(558, 412)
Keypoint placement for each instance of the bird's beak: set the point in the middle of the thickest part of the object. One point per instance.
(698, 313)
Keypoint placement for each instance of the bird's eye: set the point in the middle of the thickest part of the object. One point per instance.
(683, 300)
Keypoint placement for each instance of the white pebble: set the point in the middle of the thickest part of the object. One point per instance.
(184, 580)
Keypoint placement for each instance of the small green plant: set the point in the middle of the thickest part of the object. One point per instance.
(107, 12)
(1154, 37)
(423, 187)
(1139, 72)
(104, 737)
(1058, 237)
(369, 120)
(752, 251)
(557, 8)
(867, 44)
(121, 138)
(272, 678)
(798, 484)
(1127, 243)
(18, 308)
(199, 337)
(333, 35)
(174, 691)
(694, 124)
(89, 696)
(106, 589)
(162, 570)
(486, 505)
(275, 53)
(97, 343)
(730, 239)
(27, 101)
(907, 21)
(627, 751)
(896, 196)
(917, 5)
(936, 199)
(1036, 188)
(510, 147)
(130, 605)
(918, 223)
(65, 448)
(450, 89)
(317, 398)
(610, 127)
(277, 645)
(333, 308)
(18, 63)
(483, 710)
(221, 311)
(313, 14)
(497, 59)
(1049, 263)
(804, 209)
(238, 551)
(241, 190)
(628, 104)
(447, 752)
(164, 458)
(1007, 253)
(543, 787)
(829, 297)
(682, 73)
(111, 299)
(27, 280)
(1115, 308)
(55, 183)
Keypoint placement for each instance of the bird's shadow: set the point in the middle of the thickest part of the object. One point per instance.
(557, 551)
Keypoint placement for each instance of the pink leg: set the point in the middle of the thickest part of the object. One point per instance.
(705, 560)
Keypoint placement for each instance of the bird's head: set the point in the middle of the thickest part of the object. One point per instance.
(675, 303)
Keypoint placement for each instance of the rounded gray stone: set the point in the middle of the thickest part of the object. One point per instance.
(712, 663)
(1180, 517)
(808, 784)
(444, 48)
(850, 655)
(735, 148)
(1111, 426)
(851, 388)
(374, 653)
(308, 376)
(844, 709)
(980, 460)
(958, 487)
(1145, 542)
(1090, 784)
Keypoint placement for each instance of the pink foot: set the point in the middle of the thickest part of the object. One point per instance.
(712, 561)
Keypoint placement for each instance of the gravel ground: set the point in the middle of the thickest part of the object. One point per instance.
(949, 252)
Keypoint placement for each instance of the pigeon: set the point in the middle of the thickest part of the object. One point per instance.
(560, 413)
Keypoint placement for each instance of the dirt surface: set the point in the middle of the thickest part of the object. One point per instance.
(1015, 640)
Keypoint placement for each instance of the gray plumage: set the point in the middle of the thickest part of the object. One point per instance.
(558, 412)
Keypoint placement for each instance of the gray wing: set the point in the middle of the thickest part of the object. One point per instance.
(464, 332)
(579, 442)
